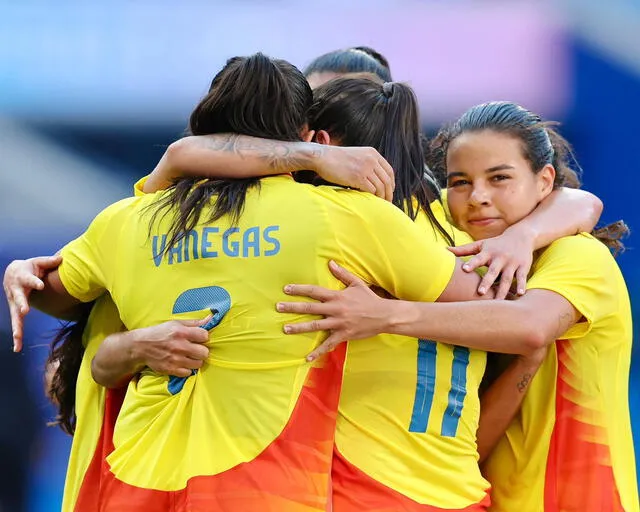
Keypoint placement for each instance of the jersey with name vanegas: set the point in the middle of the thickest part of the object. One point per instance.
(254, 428)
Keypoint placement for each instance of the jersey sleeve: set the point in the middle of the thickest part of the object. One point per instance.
(139, 186)
(88, 261)
(579, 268)
(383, 246)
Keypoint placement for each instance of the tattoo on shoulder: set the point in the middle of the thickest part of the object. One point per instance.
(524, 382)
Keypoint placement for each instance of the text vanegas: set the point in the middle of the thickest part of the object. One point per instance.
(210, 242)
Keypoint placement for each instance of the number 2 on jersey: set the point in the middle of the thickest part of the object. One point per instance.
(215, 299)
(426, 384)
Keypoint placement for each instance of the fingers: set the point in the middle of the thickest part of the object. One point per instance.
(506, 279)
(388, 171)
(367, 186)
(16, 326)
(183, 360)
(490, 277)
(182, 367)
(28, 282)
(304, 308)
(324, 324)
(196, 322)
(196, 352)
(20, 291)
(378, 185)
(521, 280)
(16, 322)
(196, 335)
(344, 275)
(47, 262)
(197, 331)
(309, 290)
(178, 372)
(387, 181)
(467, 249)
(181, 331)
(327, 346)
(480, 260)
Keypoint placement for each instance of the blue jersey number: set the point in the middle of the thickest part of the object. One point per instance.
(215, 299)
(425, 388)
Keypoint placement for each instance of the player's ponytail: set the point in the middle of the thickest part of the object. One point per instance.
(363, 111)
(255, 96)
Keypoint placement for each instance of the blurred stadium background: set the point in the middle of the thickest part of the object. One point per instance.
(91, 94)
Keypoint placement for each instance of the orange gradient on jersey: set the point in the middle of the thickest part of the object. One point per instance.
(579, 474)
(355, 491)
(303, 450)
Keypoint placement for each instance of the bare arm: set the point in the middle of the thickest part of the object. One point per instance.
(502, 401)
(171, 348)
(229, 155)
(117, 360)
(53, 299)
(562, 213)
(512, 327)
(241, 156)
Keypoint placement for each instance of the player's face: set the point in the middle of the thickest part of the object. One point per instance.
(490, 183)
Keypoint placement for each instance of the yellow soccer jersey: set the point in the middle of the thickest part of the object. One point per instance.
(90, 401)
(571, 448)
(237, 409)
(408, 416)
(139, 185)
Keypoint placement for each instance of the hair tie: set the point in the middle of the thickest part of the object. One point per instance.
(387, 89)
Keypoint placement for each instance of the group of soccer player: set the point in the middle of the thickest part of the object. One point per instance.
(255, 330)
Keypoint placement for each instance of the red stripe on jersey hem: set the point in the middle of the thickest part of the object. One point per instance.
(290, 475)
(355, 491)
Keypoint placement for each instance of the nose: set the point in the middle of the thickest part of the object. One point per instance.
(479, 196)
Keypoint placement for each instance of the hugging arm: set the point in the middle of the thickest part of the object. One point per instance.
(564, 212)
(229, 156)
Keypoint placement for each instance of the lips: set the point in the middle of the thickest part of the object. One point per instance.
(482, 221)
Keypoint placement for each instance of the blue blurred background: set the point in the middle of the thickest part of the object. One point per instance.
(91, 94)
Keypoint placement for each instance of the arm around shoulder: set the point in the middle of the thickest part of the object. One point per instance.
(514, 327)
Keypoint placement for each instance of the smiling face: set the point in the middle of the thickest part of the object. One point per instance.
(491, 184)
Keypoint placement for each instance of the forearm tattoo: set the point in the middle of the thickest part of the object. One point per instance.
(524, 382)
(278, 156)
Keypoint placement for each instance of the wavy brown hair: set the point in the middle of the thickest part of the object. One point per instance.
(65, 357)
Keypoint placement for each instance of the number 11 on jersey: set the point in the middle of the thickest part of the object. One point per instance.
(426, 386)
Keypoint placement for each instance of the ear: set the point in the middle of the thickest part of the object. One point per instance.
(546, 177)
(323, 137)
